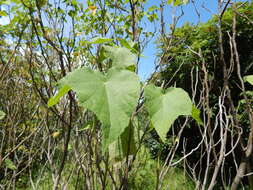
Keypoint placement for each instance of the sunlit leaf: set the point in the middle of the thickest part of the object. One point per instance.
(93, 9)
(55, 134)
(99, 40)
(86, 126)
(56, 98)
(177, 2)
(128, 45)
(3, 13)
(9, 164)
(196, 115)
(112, 97)
(249, 79)
(164, 106)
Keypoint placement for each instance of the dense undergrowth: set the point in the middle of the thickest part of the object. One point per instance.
(74, 114)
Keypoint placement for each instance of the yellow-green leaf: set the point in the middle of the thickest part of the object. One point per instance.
(56, 98)
(164, 106)
(2, 114)
(249, 79)
(196, 115)
(9, 164)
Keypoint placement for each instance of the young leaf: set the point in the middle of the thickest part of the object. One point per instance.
(2, 114)
(56, 134)
(9, 164)
(249, 79)
(99, 40)
(178, 2)
(128, 45)
(86, 126)
(165, 106)
(112, 97)
(3, 13)
(121, 56)
(196, 115)
(170, 1)
(56, 98)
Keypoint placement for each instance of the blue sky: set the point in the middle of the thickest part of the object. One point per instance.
(206, 9)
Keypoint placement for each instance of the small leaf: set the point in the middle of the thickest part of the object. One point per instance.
(196, 115)
(93, 9)
(72, 13)
(56, 98)
(99, 40)
(131, 68)
(86, 126)
(170, 1)
(9, 164)
(178, 2)
(3, 13)
(164, 106)
(124, 43)
(130, 46)
(2, 114)
(249, 79)
(5, 2)
(55, 134)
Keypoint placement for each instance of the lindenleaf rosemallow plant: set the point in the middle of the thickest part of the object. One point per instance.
(113, 96)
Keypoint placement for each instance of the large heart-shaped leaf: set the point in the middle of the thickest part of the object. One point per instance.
(164, 106)
(112, 97)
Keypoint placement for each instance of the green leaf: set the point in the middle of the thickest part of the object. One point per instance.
(3, 13)
(72, 13)
(249, 79)
(121, 56)
(86, 126)
(196, 115)
(9, 164)
(56, 98)
(128, 45)
(99, 40)
(170, 1)
(164, 106)
(178, 2)
(5, 2)
(131, 68)
(125, 43)
(112, 97)
(2, 114)
(153, 8)
(124, 146)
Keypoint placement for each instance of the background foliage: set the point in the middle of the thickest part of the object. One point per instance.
(74, 114)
